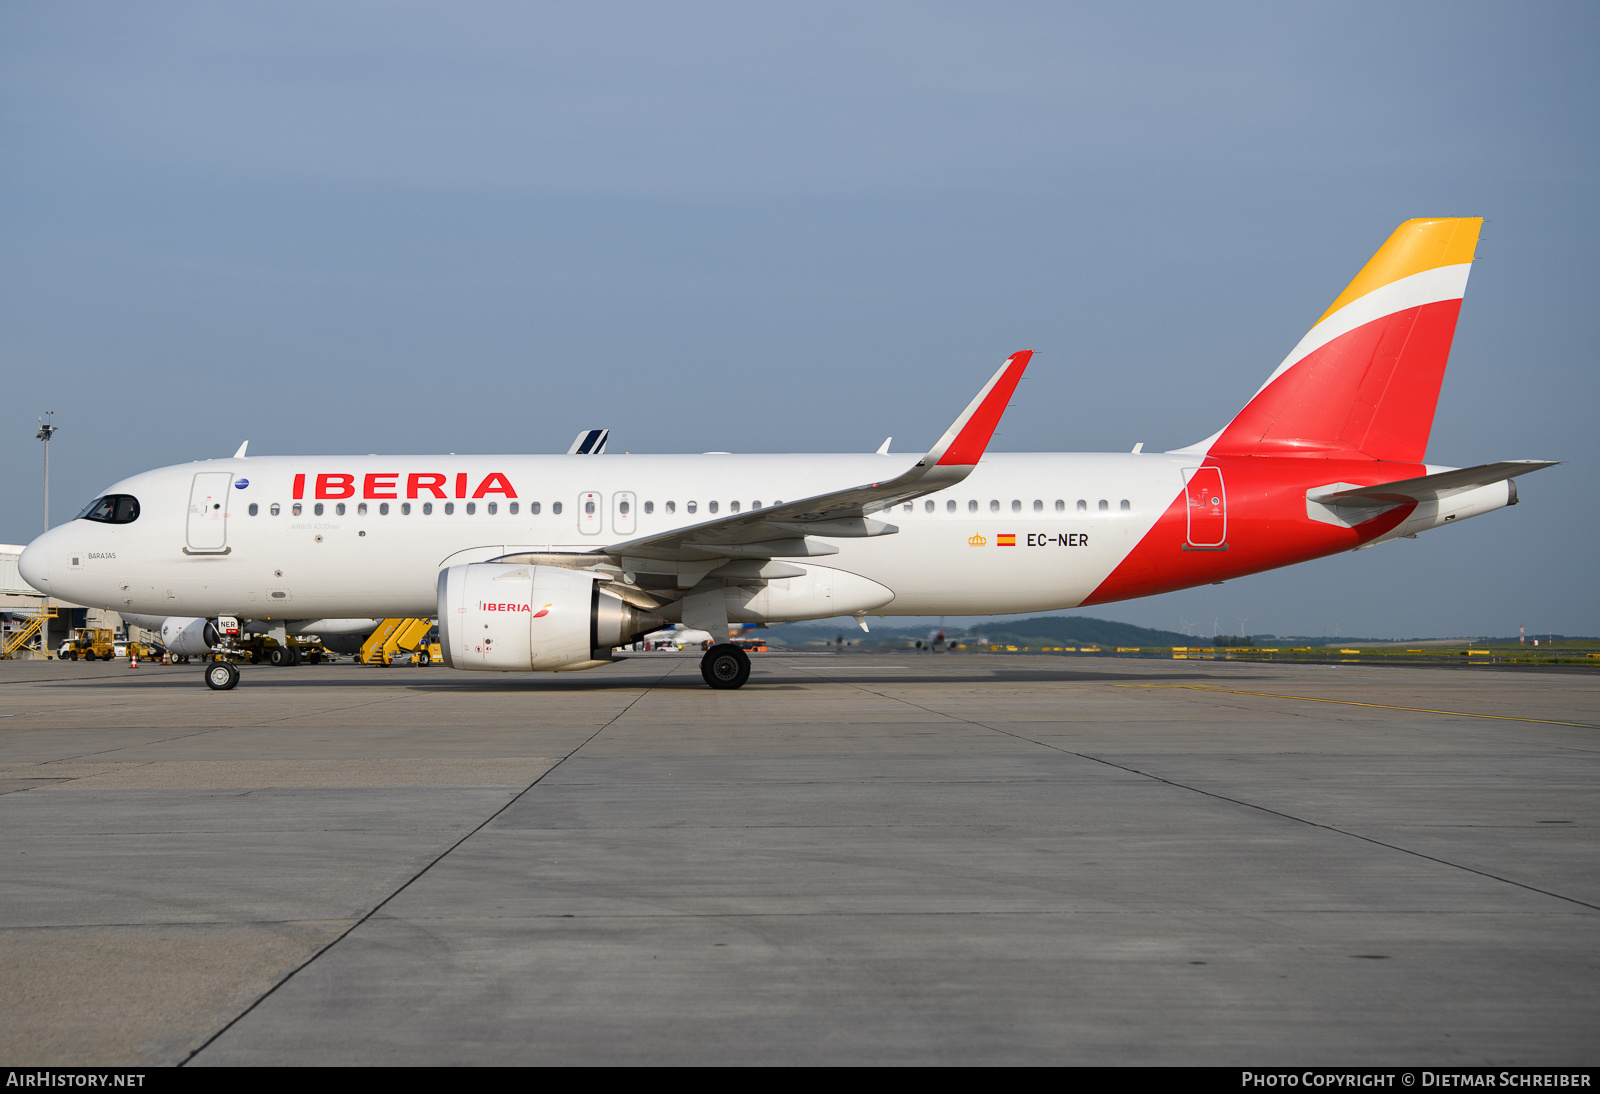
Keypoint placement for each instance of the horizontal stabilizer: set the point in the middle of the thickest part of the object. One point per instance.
(1427, 487)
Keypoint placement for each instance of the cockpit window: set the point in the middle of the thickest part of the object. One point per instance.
(112, 509)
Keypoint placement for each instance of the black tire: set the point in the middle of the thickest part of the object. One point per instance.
(279, 655)
(72, 655)
(423, 657)
(315, 657)
(221, 676)
(295, 656)
(725, 667)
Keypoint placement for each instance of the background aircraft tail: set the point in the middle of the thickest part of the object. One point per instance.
(1363, 383)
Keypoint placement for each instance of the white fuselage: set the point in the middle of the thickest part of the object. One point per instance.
(1074, 518)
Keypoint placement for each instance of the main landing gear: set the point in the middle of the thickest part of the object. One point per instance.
(725, 667)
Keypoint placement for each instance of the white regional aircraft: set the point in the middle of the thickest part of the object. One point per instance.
(550, 563)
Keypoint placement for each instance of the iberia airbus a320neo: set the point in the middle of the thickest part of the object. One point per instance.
(553, 562)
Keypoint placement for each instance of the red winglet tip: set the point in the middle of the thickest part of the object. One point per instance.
(973, 440)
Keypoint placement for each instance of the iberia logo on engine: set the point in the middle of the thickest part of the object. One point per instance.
(483, 607)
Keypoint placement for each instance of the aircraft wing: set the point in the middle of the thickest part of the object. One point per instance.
(1426, 487)
(781, 530)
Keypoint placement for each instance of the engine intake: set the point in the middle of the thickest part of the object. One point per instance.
(190, 637)
(508, 618)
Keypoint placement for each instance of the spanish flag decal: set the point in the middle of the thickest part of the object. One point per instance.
(1006, 541)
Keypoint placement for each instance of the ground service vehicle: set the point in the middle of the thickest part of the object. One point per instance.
(90, 643)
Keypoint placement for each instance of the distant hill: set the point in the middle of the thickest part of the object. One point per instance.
(1060, 630)
(1049, 630)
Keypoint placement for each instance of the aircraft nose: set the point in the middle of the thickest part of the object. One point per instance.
(33, 564)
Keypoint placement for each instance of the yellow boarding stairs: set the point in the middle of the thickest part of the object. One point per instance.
(394, 636)
(21, 638)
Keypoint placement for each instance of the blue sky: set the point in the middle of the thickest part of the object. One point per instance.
(365, 227)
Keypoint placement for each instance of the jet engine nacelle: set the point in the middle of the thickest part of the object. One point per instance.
(188, 636)
(508, 618)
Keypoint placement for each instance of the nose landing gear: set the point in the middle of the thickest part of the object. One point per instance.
(221, 676)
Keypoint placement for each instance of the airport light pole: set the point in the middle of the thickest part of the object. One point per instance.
(46, 430)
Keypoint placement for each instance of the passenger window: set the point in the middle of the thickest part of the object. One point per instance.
(533, 508)
(316, 509)
(1125, 507)
(994, 505)
(295, 511)
(254, 509)
(472, 507)
(1038, 506)
(972, 506)
(493, 507)
(1105, 505)
(755, 505)
(623, 507)
(383, 508)
(275, 510)
(672, 507)
(927, 507)
(427, 508)
(733, 507)
(950, 506)
(512, 508)
(649, 507)
(555, 507)
(338, 509)
(449, 508)
(405, 509)
(691, 507)
(361, 509)
(908, 506)
(1083, 506)
(1061, 506)
(712, 506)
(1016, 505)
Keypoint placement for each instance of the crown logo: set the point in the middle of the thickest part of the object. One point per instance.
(976, 541)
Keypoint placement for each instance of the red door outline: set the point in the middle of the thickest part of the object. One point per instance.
(1208, 507)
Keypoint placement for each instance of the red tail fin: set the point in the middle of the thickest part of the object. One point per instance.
(1364, 382)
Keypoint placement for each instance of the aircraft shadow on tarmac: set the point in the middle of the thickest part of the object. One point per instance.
(685, 679)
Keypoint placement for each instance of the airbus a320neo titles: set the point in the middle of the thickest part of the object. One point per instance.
(551, 563)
